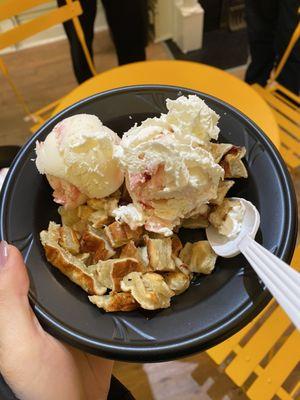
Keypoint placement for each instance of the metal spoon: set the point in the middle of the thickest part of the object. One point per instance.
(281, 280)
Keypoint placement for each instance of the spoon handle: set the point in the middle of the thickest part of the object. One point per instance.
(281, 280)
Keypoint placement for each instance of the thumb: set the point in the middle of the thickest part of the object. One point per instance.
(16, 315)
(32, 363)
(14, 278)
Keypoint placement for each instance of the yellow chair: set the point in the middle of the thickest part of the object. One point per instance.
(11, 8)
(285, 106)
(262, 357)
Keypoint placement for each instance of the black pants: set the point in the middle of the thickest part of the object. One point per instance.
(127, 20)
(271, 24)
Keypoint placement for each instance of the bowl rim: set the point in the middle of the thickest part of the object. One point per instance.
(152, 352)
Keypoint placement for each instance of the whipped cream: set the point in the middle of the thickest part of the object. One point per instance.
(168, 169)
(232, 224)
(190, 116)
(131, 214)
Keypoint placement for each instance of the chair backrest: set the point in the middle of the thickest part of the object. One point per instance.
(288, 119)
(272, 84)
(286, 108)
(10, 8)
(295, 37)
(263, 357)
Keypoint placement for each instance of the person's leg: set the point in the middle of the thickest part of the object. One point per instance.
(288, 19)
(127, 20)
(261, 17)
(87, 18)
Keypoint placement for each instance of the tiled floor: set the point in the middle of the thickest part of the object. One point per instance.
(45, 74)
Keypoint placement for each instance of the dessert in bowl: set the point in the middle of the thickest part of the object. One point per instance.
(122, 202)
(215, 305)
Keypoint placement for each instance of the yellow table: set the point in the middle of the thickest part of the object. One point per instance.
(186, 74)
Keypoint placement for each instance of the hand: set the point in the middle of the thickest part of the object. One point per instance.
(34, 364)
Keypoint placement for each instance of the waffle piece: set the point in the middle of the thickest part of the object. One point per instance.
(107, 204)
(218, 150)
(223, 189)
(160, 254)
(119, 234)
(97, 218)
(69, 240)
(95, 241)
(176, 245)
(177, 281)
(149, 290)
(232, 163)
(182, 267)
(138, 253)
(111, 272)
(84, 212)
(113, 302)
(69, 217)
(67, 263)
(85, 258)
(197, 221)
(103, 208)
(199, 257)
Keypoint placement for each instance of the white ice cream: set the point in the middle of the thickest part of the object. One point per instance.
(167, 172)
(190, 116)
(232, 224)
(131, 215)
(78, 158)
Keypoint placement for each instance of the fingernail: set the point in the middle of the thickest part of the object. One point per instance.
(3, 253)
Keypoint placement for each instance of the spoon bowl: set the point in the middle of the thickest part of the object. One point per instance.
(226, 247)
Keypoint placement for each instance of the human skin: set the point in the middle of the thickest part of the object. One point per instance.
(33, 363)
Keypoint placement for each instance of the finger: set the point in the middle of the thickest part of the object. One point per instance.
(15, 313)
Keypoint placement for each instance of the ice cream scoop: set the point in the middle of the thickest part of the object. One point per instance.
(78, 159)
(168, 170)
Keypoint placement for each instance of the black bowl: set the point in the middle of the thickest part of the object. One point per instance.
(215, 306)
(7, 154)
